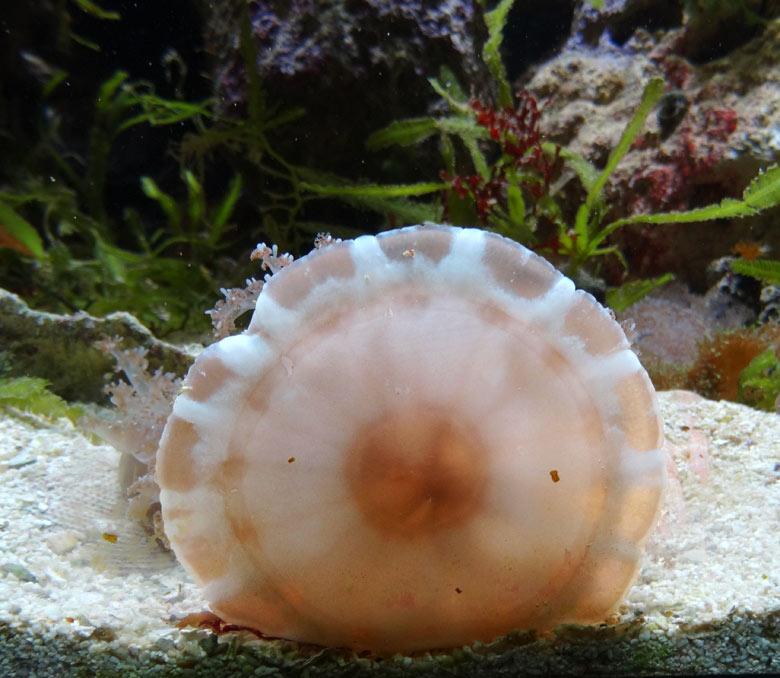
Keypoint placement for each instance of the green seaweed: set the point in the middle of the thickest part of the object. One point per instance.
(95, 10)
(65, 20)
(621, 298)
(583, 241)
(68, 253)
(30, 394)
(523, 210)
(759, 382)
(765, 270)
(495, 20)
(194, 222)
(762, 192)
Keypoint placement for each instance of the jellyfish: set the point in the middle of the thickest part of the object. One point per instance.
(424, 438)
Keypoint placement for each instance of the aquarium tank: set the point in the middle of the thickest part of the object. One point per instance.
(389, 338)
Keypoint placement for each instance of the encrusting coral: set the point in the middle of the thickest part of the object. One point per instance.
(424, 438)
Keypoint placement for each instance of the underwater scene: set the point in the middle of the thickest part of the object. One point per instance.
(389, 338)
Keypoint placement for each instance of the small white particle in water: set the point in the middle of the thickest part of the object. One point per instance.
(287, 363)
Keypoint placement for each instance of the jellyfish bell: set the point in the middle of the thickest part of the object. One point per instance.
(424, 438)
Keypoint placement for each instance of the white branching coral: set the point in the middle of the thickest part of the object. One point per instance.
(239, 300)
(142, 404)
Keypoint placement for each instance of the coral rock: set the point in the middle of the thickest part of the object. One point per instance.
(326, 56)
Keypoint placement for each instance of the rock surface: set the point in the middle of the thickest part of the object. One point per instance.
(353, 66)
(61, 348)
(724, 129)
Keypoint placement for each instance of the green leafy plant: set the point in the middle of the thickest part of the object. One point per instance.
(65, 21)
(621, 298)
(737, 11)
(460, 124)
(759, 382)
(250, 138)
(504, 207)
(288, 189)
(194, 222)
(762, 192)
(96, 10)
(59, 224)
(120, 105)
(69, 252)
(31, 395)
(498, 172)
(765, 270)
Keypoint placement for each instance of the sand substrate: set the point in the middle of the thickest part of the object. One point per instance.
(85, 592)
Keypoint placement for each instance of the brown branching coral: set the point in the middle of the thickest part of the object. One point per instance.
(689, 342)
(721, 359)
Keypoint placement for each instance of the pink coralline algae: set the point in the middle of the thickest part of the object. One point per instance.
(697, 150)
